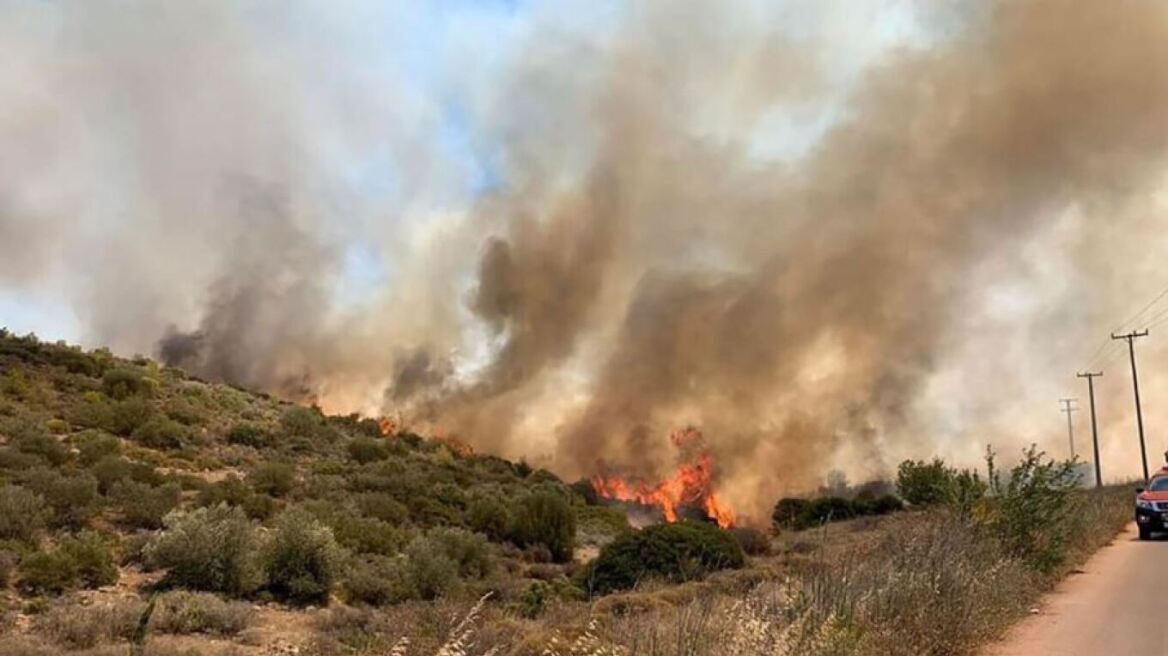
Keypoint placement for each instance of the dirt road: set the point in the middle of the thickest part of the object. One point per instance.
(1117, 605)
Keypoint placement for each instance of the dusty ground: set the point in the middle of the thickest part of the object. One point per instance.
(1115, 605)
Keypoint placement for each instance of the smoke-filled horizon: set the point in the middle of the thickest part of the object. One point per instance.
(829, 238)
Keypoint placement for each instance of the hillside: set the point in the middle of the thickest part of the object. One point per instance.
(96, 452)
(145, 511)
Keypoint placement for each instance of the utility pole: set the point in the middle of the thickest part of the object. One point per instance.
(1068, 408)
(1131, 349)
(1094, 427)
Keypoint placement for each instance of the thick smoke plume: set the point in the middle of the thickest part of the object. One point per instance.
(645, 250)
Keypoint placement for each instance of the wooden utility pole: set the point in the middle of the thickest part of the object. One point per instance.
(1131, 349)
(1068, 408)
(1094, 427)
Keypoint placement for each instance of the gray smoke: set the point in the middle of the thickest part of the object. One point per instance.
(694, 214)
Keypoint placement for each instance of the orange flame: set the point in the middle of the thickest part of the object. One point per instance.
(690, 485)
(387, 426)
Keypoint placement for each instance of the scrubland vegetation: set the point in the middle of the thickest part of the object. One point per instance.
(145, 511)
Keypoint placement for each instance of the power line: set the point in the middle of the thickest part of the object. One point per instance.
(1131, 348)
(1094, 426)
(1068, 408)
(1144, 309)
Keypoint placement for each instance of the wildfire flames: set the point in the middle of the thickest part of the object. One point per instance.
(690, 485)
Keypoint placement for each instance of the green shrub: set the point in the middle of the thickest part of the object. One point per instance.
(46, 572)
(160, 433)
(823, 510)
(1033, 515)
(300, 559)
(49, 448)
(8, 562)
(90, 559)
(367, 449)
(234, 492)
(77, 626)
(379, 505)
(488, 515)
(432, 573)
(885, 504)
(22, 513)
(377, 580)
(112, 469)
(123, 383)
(144, 506)
(924, 483)
(678, 552)
(92, 411)
(469, 551)
(211, 549)
(185, 612)
(93, 447)
(272, 478)
(366, 534)
(184, 412)
(130, 414)
(545, 517)
(301, 422)
(72, 499)
(787, 512)
(247, 434)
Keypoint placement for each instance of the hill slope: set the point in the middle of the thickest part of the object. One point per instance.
(110, 468)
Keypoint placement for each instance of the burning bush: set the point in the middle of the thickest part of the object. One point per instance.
(677, 552)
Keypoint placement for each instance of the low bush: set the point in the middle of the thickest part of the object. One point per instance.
(47, 447)
(787, 511)
(367, 449)
(110, 470)
(83, 560)
(272, 478)
(431, 573)
(211, 549)
(45, 572)
(545, 517)
(753, 541)
(131, 414)
(377, 580)
(384, 507)
(1033, 514)
(488, 515)
(76, 626)
(22, 513)
(144, 506)
(93, 447)
(928, 483)
(677, 552)
(469, 551)
(72, 499)
(248, 434)
(90, 559)
(122, 383)
(9, 559)
(91, 411)
(234, 492)
(300, 559)
(184, 612)
(160, 433)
